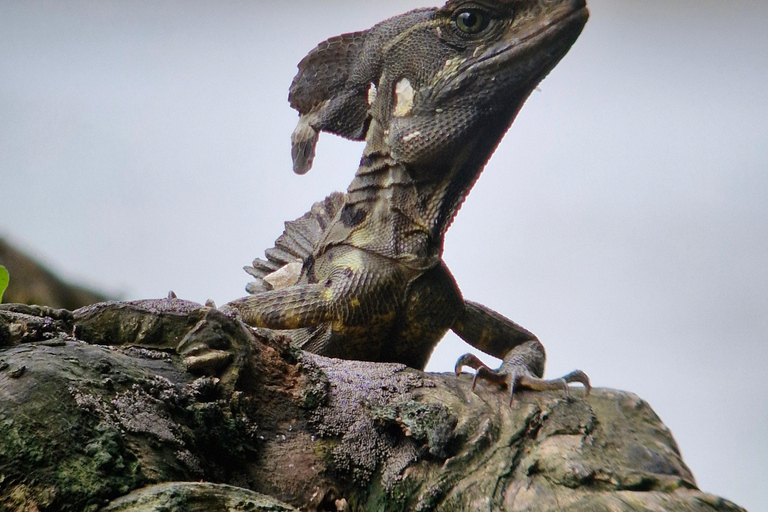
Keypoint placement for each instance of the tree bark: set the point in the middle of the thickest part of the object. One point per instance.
(93, 416)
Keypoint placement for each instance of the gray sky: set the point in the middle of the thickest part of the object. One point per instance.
(144, 146)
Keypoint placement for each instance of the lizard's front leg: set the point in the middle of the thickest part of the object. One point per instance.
(522, 354)
(353, 302)
(212, 341)
(288, 308)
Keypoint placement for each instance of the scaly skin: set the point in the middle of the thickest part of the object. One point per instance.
(432, 92)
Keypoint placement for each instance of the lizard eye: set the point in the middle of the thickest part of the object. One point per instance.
(471, 21)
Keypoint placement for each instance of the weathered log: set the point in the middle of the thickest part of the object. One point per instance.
(84, 424)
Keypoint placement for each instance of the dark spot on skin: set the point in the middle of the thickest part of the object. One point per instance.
(352, 216)
(309, 269)
(329, 283)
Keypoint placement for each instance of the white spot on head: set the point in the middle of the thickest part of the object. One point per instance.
(372, 93)
(403, 98)
(411, 136)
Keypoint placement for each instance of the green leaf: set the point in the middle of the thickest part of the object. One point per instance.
(4, 278)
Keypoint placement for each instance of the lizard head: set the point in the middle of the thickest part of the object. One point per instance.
(432, 86)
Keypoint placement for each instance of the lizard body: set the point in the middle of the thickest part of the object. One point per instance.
(432, 93)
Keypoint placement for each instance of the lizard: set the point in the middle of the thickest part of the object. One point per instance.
(432, 93)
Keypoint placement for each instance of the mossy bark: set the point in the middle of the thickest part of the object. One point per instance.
(87, 427)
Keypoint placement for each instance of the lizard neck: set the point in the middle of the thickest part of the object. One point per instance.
(384, 188)
(402, 209)
(420, 196)
(387, 212)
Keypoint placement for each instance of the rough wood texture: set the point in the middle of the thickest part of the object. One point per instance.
(83, 424)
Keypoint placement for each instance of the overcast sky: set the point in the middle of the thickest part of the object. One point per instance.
(144, 147)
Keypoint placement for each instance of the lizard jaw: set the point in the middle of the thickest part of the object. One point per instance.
(526, 50)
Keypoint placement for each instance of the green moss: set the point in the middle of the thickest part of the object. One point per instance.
(323, 449)
(315, 393)
(83, 471)
(15, 447)
(222, 437)
(379, 498)
(430, 423)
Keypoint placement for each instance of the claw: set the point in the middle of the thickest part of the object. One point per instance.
(512, 382)
(579, 376)
(482, 371)
(537, 384)
(516, 374)
(468, 360)
(208, 363)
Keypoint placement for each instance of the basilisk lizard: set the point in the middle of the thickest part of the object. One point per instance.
(432, 93)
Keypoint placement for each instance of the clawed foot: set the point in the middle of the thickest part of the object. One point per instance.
(523, 367)
(216, 346)
(213, 346)
(212, 342)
